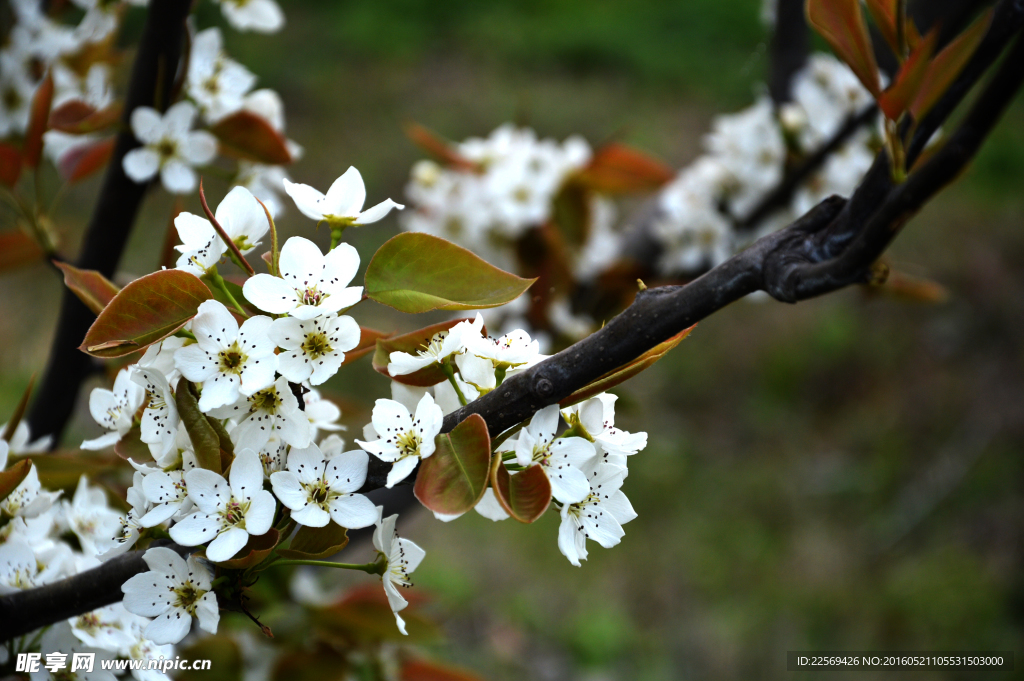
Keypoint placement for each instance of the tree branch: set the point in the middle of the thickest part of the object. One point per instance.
(151, 81)
(790, 45)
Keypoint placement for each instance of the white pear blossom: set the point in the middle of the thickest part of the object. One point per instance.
(229, 360)
(228, 511)
(597, 417)
(313, 349)
(268, 412)
(168, 493)
(141, 648)
(170, 147)
(560, 458)
(311, 284)
(322, 413)
(216, 82)
(273, 455)
(600, 516)
(94, 89)
(173, 592)
(115, 409)
(108, 628)
(243, 220)
(403, 557)
(511, 350)
(319, 489)
(343, 203)
(90, 518)
(18, 567)
(28, 499)
(402, 439)
(160, 357)
(261, 16)
(443, 346)
(21, 442)
(60, 638)
(159, 424)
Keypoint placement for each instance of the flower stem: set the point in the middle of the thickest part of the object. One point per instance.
(236, 254)
(374, 568)
(450, 373)
(223, 286)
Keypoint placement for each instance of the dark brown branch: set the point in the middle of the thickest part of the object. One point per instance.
(112, 219)
(790, 45)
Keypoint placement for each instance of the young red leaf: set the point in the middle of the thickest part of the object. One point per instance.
(616, 376)
(41, 101)
(131, 446)
(619, 169)
(255, 551)
(898, 96)
(947, 66)
(145, 312)
(19, 412)
(440, 149)
(454, 478)
(365, 615)
(421, 670)
(205, 440)
(415, 272)
(62, 469)
(13, 476)
(17, 249)
(524, 496)
(367, 343)
(10, 165)
(251, 137)
(82, 161)
(841, 23)
(316, 543)
(78, 118)
(91, 287)
(411, 342)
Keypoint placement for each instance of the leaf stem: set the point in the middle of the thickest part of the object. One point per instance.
(374, 568)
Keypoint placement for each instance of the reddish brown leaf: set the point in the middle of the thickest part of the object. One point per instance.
(316, 543)
(91, 287)
(898, 96)
(83, 160)
(412, 342)
(947, 66)
(19, 412)
(454, 478)
(841, 23)
(17, 249)
(246, 135)
(367, 343)
(62, 469)
(144, 312)
(364, 615)
(618, 169)
(421, 670)
(254, 551)
(616, 376)
(41, 101)
(10, 165)
(131, 446)
(441, 149)
(884, 14)
(13, 476)
(524, 496)
(78, 118)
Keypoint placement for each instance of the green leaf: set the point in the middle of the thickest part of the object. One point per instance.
(246, 135)
(204, 438)
(841, 23)
(91, 287)
(898, 96)
(316, 543)
(131, 446)
(947, 65)
(145, 312)
(13, 476)
(524, 496)
(412, 342)
(616, 376)
(416, 272)
(454, 478)
(254, 552)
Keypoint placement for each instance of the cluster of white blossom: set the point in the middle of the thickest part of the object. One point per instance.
(745, 158)
(505, 189)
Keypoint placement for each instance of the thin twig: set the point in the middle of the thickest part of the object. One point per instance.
(232, 246)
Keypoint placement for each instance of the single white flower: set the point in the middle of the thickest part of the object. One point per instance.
(261, 16)
(511, 350)
(243, 220)
(268, 412)
(319, 489)
(107, 628)
(311, 283)
(343, 203)
(115, 409)
(402, 556)
(228, 360)
(404, 440)
(90, 518)
(442, 347)
(216, 82)
(170, 147)
(173, 591)
(600, 516)
(313, 348)
(28, 499)
(228, 512)
(560, 458)
(597, 416)
(159, 424)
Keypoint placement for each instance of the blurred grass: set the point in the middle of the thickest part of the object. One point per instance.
(842, 474)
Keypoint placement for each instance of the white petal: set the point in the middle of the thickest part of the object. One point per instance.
(178, 118)
(306, 199)
(371, 215)
(208, 612)
(288, 490)
(353, 511)
(340, 266)
(260, 515)
(208, 490)
(246, 475)
(567, 538)
(489, 507)
(194, 363)
(214, 327)
(269, 293)
(401, 470)
(200, 148)
(227, 544)
(569, 485)
(346, 472)
(141, 165)
(346, 196)
(177, 177)
(197, 528)
(170, 627)
(218, 391)
(301, 262)
(311, 515)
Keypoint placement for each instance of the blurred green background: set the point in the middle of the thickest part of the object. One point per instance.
(841, 474)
